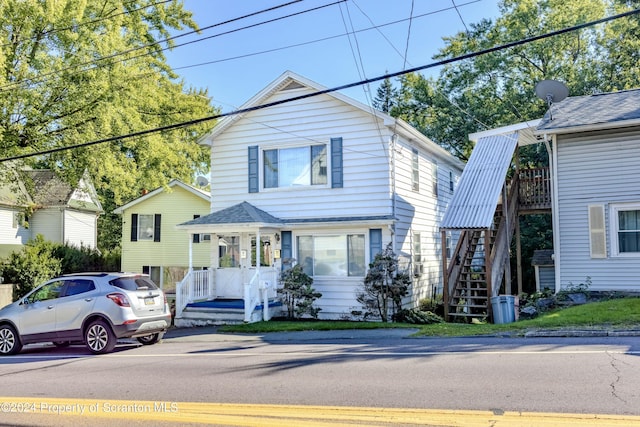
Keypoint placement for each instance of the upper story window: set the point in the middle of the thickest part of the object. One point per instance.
(145, 227)
(292, 167)
(415, 170)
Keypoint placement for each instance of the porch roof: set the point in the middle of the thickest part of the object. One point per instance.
(245, 214)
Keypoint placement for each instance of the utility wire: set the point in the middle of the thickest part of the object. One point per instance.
(334, 89)
(40, 79)
(93, 21)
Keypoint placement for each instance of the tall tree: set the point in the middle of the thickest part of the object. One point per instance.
(497, 89)
(74, 71)
(386, 96)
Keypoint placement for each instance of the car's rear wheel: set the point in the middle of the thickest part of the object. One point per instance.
(9, 341)
(150, 339)
(99, 337)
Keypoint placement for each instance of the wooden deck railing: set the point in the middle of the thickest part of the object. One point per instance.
(534, 189)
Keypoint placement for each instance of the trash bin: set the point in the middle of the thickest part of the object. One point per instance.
(503, 307)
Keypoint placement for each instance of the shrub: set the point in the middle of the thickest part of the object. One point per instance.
(297, 293)
(383, 287)
(34, 264)
(416, 316)
(40, 260)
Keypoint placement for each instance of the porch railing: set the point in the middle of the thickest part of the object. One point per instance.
(197, 285)
(260, 288)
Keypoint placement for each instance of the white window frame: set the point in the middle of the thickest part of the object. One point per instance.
(141, 231)
(294, 187)
(614, 208)
(345, 234)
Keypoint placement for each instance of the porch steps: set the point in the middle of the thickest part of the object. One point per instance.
(222, 312)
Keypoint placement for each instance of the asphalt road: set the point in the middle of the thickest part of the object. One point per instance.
(380, 377)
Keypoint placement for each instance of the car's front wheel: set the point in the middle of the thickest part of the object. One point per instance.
(9, 341)
(150, 339)
(99, 337)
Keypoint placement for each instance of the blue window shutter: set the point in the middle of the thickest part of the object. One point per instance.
(156, 228)
(134, 227)
(375, 242)
(286, 248)
(253, 169)
(336, 163)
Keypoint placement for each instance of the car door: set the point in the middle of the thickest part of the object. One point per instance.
(73, 306)
(39, 315)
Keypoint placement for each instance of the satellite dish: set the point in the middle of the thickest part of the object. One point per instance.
(202, 181)
(551, 91)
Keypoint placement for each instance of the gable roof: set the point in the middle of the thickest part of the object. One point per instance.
(592, 112)
(291, 80)
(174, 182)
(45, 189)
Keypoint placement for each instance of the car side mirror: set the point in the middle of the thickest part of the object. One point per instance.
(25, 301)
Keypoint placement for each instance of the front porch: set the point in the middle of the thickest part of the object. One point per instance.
(244, 295)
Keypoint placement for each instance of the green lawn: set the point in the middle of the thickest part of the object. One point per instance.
(618, 313)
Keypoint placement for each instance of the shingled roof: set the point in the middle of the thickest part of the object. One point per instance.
(593, 111)
(242, 213)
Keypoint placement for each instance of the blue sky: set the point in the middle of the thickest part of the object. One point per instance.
(237, 65)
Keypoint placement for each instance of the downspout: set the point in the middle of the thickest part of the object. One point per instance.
(555, 222)
(392, 229)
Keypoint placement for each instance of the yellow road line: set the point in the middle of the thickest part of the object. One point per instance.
(298, 415)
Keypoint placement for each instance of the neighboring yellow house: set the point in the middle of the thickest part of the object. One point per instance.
(151, 244)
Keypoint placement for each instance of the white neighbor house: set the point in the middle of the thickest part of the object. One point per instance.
(325, 181)
(36, 202)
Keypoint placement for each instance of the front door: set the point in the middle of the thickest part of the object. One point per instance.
(229, 277)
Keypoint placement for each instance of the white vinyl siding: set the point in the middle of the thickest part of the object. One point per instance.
(595, 169)
(421, 213)
(80, 228)
(315, 120)
(366, 189)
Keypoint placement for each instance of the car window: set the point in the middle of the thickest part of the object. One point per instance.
(78, 286)
(47, 292)
(134, 283)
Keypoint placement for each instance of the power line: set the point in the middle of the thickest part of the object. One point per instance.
(40, 79)
(334, 89)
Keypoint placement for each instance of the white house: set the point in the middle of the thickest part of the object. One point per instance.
(321, 180)
(36, 202)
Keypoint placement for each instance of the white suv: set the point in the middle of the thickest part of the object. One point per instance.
(94, 308)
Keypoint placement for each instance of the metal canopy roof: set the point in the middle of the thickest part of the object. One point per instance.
(476, 197)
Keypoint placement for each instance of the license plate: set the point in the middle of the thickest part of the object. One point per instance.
(149, 301)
